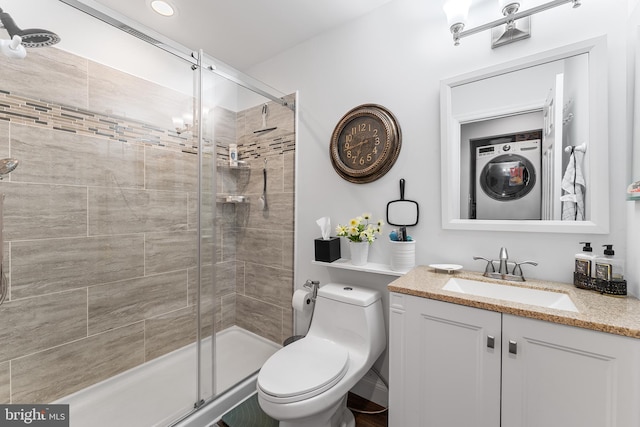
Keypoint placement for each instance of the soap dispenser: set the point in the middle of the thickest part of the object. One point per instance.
(584, 267)
(610, 273)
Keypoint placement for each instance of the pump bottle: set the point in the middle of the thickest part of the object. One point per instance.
(584, 267)
(609, 267)
(610, 273)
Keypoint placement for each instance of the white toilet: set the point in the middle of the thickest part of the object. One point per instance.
(305, 384)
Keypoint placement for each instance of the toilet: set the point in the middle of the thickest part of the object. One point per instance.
(305, 384)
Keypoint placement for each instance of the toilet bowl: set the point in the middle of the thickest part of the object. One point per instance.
(305, 384)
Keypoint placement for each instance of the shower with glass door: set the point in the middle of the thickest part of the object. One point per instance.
(142, 282)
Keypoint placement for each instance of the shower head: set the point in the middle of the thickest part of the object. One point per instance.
(32, 37)
(13, 48)
(7, 166)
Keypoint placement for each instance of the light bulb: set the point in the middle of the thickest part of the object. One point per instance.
(457, 11)
(178, 122)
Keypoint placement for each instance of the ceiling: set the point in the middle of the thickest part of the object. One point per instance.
(242, 33)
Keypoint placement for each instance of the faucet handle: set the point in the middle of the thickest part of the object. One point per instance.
(517, 270)
(489, 263)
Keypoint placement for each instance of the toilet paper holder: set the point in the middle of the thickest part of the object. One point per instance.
(313, 286)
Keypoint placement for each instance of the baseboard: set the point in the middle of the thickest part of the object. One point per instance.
(372, 388)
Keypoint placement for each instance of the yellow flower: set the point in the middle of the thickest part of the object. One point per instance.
(359, 229)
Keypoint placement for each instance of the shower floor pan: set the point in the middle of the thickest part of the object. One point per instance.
(160, 391)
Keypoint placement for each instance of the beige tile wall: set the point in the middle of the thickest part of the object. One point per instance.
(264, 239)
(100, 227)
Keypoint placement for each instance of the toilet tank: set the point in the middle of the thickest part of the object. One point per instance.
(347, 294)
(349, 315)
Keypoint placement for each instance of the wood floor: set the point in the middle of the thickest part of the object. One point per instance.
(357, 403)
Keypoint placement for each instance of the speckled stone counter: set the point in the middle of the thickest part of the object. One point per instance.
(598, 312)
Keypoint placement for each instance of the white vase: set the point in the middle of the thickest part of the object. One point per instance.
(359, 252)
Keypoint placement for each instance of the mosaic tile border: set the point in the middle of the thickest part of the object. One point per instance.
(34, 112)
(257, 149)
(22, 110)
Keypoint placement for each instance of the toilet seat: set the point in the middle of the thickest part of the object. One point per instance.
(302, 370)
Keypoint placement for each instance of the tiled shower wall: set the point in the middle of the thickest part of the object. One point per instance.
(263, 238)
(100, 228)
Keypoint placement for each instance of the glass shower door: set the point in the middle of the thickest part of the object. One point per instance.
(246, 308)
(99, 224)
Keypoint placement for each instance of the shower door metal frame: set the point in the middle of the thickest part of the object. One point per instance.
(198, 116)
(150, 36)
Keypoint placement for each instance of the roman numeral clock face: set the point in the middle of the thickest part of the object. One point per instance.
(365, 143)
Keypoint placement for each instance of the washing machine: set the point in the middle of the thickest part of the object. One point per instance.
(508, 181)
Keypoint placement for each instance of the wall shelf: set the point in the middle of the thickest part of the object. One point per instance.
(370, 267)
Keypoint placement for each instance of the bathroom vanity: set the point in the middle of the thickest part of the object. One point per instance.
(458, 359)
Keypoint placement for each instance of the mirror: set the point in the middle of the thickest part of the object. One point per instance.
(402, 212)
(512, 136)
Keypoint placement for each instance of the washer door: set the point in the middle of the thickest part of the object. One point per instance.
(508, 177)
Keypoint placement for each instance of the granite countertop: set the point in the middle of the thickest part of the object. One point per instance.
(598, 312)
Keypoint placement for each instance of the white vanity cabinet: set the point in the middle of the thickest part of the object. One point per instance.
(567, 376)
(453, 366)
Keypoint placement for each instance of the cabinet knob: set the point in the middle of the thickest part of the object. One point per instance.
(513, 347)
(491, 341)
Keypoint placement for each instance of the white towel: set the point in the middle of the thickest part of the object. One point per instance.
(574, 185)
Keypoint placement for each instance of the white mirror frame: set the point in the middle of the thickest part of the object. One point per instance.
(597, 199)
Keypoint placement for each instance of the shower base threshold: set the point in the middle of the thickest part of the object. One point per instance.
(161, 391)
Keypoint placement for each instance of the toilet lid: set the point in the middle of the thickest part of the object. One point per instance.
(304, 368)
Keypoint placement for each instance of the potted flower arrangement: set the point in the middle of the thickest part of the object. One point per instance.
(360, 233)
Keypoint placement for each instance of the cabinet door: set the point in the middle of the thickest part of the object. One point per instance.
(442, 371)
(562, 376)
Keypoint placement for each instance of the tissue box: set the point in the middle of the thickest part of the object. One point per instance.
(327, 250)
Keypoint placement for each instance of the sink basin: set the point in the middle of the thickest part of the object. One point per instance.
(529, 296)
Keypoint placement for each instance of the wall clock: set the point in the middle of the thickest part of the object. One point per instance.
(365, 143)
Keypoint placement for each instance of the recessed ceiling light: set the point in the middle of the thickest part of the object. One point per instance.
(162, 7)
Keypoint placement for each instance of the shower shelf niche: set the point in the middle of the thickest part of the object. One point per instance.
(236, 173)
(231, 198)
(242, 165)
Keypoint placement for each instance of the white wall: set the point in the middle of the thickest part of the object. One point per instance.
(633, 103)
(396, 56)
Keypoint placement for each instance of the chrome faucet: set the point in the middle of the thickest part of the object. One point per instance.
(504, 258)
(503, 268)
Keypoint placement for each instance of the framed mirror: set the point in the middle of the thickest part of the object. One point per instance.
(524, 144)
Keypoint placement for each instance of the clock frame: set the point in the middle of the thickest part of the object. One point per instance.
(365, 143)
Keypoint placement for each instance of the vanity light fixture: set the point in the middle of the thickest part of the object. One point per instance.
(513, 26)
(162, 7)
